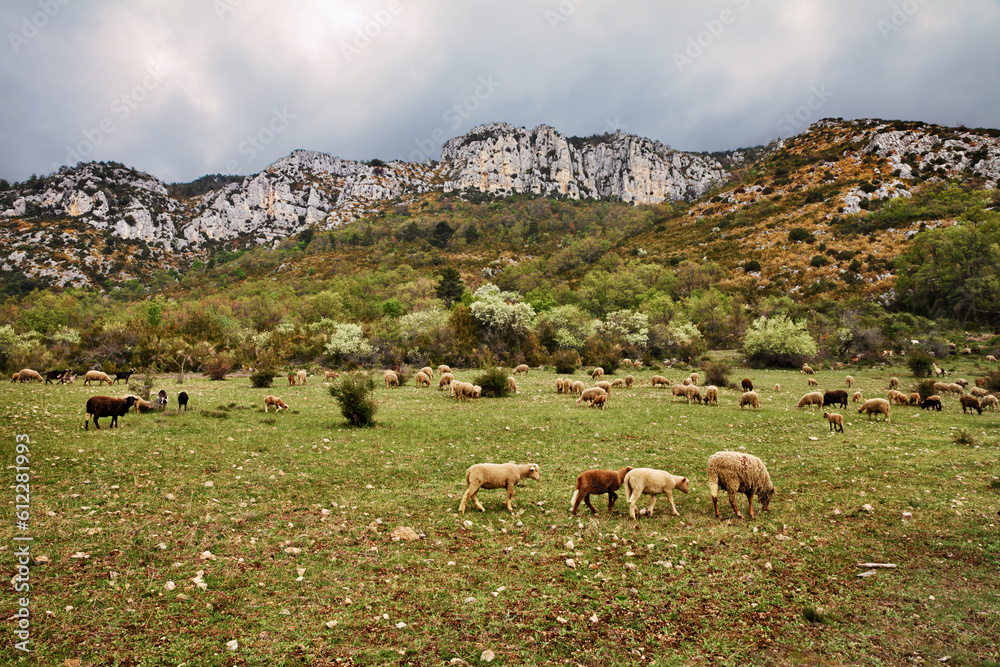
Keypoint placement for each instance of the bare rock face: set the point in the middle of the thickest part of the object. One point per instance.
(501, 159)
(928, 150)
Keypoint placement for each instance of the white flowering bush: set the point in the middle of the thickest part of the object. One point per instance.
(501, 314)
(626, 327)
(347, 340)
(569, 325)
(778, 341)
(417, 328)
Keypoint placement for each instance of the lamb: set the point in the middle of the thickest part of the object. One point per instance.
(597, 482)
(629, 381)
(836, 421)
(600, 401)
(301, 376)
(618, 383)
(627, 363)
(812, 382)
(596, 373)
(812, 398)
(28, 375)
(962, 382)
(422, 380)
(747, 384)
(956, 389)
(445, 381)
(142, 405)
(857, 398)
(990, 402)
(182, 401)
(898, 397)
(693, 394)
(777, 388)
(161, 399)
(391, 379)
(658, 380)
(931, 403)
(750, 398)
(850, 381)
(589, 395)
(496, 476)
(874, 406)
(124, 375)
(807, 369)
(560, 385)
(523, 368)
(694, 377)
(50, 376)
(444, 368)
(970, 403)
(100, 377)
(463, 390)
(837, 397)
(739, 473)
(990, 357)
(426, 370)
(605, 385)
(511, 385)
(276, 402)
(678, 390)
(652, 482)
(966, 350)
(106, 406)
(577, 387)
(291, 379)
(16, 377)
(686, 382)
(330, 375)
(711, 395)
(914, 398)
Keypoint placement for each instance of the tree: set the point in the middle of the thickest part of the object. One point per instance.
(441, 235)
(450, 288)
(503, 319)
(472, 234)
(778, 341)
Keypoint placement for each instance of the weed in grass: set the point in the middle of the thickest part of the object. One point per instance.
(963, 437)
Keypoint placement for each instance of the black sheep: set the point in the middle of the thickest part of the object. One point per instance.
(182, 401)
(107, 406)
(838, 397)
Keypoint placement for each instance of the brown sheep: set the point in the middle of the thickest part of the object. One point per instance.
(107, 406)
(963, 383)
(597, 482)
(777, 388)
(836, 421)
(600, 401)
(970, 403)
(589, 395)
(276, 402)
(812, 382)
(874, 406)
(914, 398)
(330, 375)
(836, 397)
(750, 398)
(291, 379)
(16, 377)
(747, 384)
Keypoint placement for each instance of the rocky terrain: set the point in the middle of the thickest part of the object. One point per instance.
(104, 223)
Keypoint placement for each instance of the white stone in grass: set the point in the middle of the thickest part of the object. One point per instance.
(207, 555)
(170, 585)
(284, 612)
(767, 565)
(170, 496)
(487, 656)
(467, 523)
(161, 546)
(232, 645)
(470, 600)
(594, 618)
(570, 563)
(331, 624)
(561, 619)
(300, 571)
(570, 544)
(868, 508)
(209, 484)
(400, 625)
(348, 601)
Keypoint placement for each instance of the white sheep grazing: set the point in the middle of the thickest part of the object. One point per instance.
(597, 372)
(777, 388)
(812, 398)
(737, 472)
(627, 363)
(496, 476)
(605, 385)
(857, 398)
(578, 387)
(990, 357)
(659, 380)
(694, 377)
(652, 482)
(711, 395)
(874, 406)
(693, 394)
(812, 382)
(590, 395)
(898, 397)
(444, 368)
(523, 368)
(423, 380)
(276, 402)
(301, 376)
(560, 385)
(893, 382)
(751, 399)
(678, 390)
(807, 369)
(618, 383)
(511, 385)
(989, 402)
(446, 379)
(477, 391)
(850, 381)
(978, 392)
(463, 391)
(428, 371)
(100, 377)
(629, 381)
(391, 379)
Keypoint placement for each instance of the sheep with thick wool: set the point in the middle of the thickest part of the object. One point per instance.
(97, 376)
(750, 399)
(737, 472)
(652, 482)
(496, 476)
(893, 382)
(29, 375)
(812, 398)
(807, 369)
(511, 385)
(711, 395)
(914, 398)
(989, 402)
(446, 380)
(597, 482)
(858, 397)
(444, 368)
(897, 397)
(812, 382)
(522, 368)
(605, 385)
(658, 380)
(577, 387)
(618, 383)
(589, 395)
(747, 384)
(391, 379)
(422, 380)
(597, 373)
(679, 390)
(693, 394)
(428, 371)
(850, 381)
(301, 376)
(276, 402)
(875, 406)
(836, 421)
(560, 385)
(629, 381)
(694, 377)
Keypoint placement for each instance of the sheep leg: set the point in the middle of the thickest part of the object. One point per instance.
(732, 501)
(586, 499)
(651, 506)
(612, 497)
(469, 493)
(673, 508)
(510, 496)
(750, 502)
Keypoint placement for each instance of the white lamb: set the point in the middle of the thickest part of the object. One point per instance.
(652, 482)
(496, 476)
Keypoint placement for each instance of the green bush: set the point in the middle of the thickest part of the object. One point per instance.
(218, 366)
(493, 383)
(819, 260)
(262, 379)
(566, 362)
(799, 234)
(355, 392)
(752, 266)
(992, 383)
(716, 372)
(778, 341)
(920, 364)
(925, 388)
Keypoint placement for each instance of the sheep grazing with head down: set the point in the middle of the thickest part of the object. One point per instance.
(422, 380)
(836, 397)
(694, 377)
(914, 398)
(428, 371)
(659, 380)
(29, 375)
(875, 406)
(711, 395)
(652, 482)
(807, 369)
(522, 368)
(605, 385)
(812, 382)
(857, 398)
(897, 397)
(182, 401)
(446, 380)
(291, 379)
(560, 385)
(596, 373)
(836, 421)
(737, 472)
(971, 403)
(16, 377)
(618, 383)
(577, 387)
(590, 395)
(978, 392)
(511, 385)
(693, 394)
(850, 381)
(301, 376)
(989, 402)
(629, 381)
(330, 375)
(444, 368)
(496, 476)
(597, 483)
(679, 390)
(893, 382)
(107, 406)
(812, 398)
(777, 388)
(276, 402)
(931, 403)
(96, 376)
(747, 384)
(391, 379)
(750, 399)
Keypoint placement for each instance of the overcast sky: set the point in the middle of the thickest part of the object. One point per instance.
(188, 87)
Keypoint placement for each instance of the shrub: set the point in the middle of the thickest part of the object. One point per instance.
(262, 379)
(566, 362)
(963, 437)
(218, 366)
(799, 234)
(355, 393)
(920, 364)
(716, 372)
(752, 266)
(493, 382)
(819, 260)
(778, 341)
(925, 388)
(992, 383)
(143, 387)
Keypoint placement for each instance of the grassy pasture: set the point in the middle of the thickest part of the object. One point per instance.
(299, 510)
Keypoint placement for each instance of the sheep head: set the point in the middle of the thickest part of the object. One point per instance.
(533, 472)
(765, 498)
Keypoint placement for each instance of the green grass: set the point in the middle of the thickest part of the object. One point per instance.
(300, 490)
